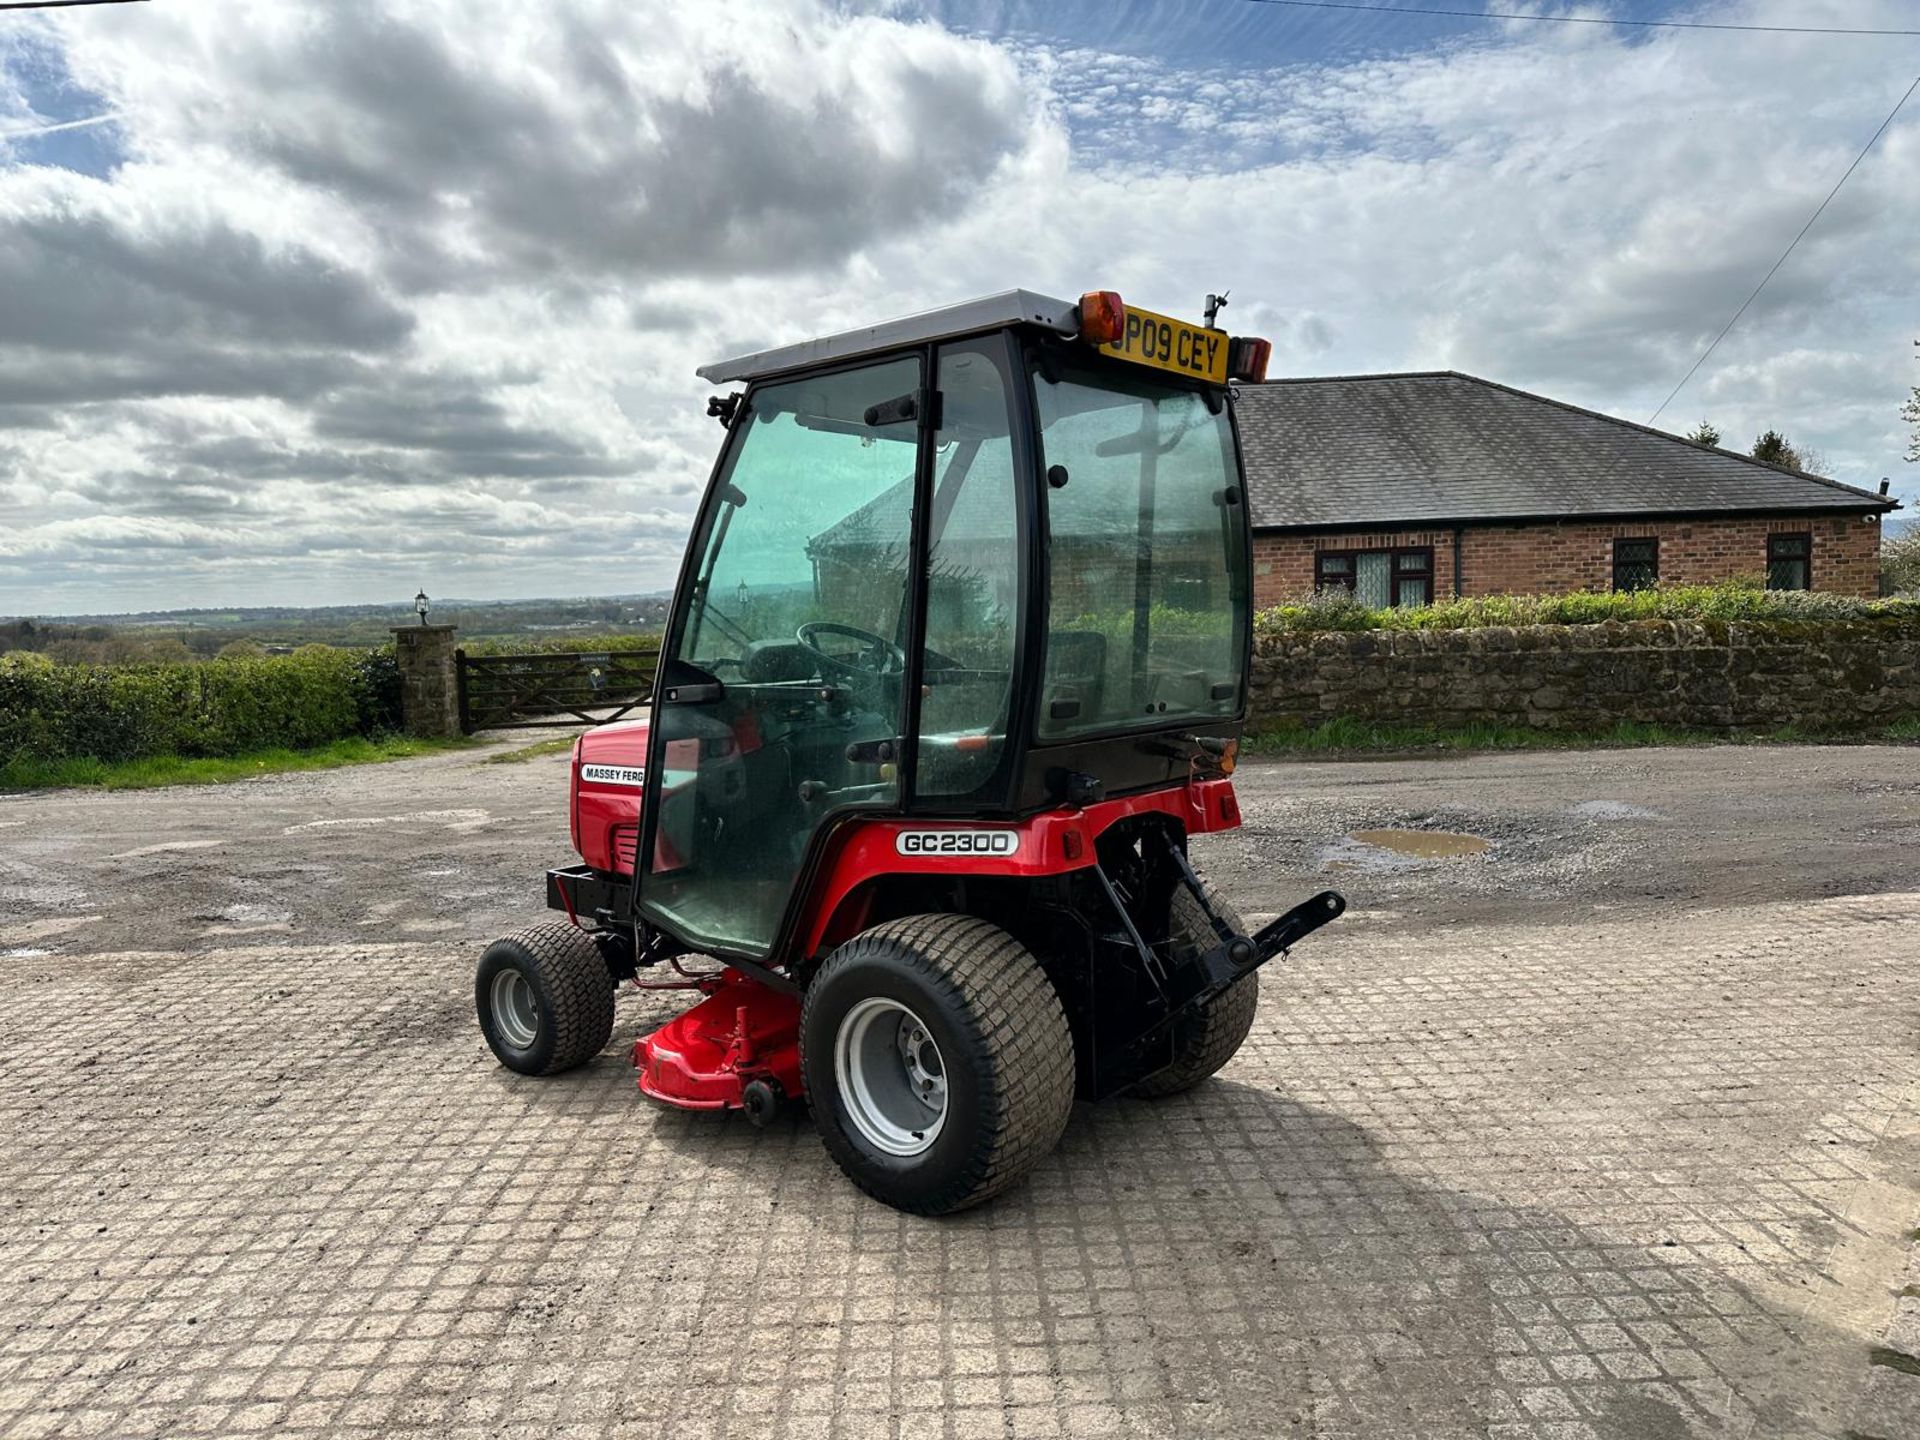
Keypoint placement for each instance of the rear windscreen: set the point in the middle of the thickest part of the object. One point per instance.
(1147, 557)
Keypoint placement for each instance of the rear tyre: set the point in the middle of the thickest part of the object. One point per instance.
(545, 999)
(938, 1061)
(1209, 1039)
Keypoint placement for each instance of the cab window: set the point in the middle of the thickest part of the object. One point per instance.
(789, 655)
(1148, 591)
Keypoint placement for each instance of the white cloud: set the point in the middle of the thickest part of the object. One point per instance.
(384, 294)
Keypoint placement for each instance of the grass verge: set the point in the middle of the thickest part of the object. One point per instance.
(1344, 735)
(159, 770)
(559, 745)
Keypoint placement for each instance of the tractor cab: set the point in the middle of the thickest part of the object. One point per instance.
(962, 635)
(948, 568)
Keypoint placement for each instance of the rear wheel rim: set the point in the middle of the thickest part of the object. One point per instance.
(516, 1010)
(891, 1076)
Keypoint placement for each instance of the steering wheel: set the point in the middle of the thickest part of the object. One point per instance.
(881, 656)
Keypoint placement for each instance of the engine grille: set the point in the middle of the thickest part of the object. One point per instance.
(626, 842)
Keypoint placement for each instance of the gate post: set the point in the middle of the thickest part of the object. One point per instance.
(429, 679)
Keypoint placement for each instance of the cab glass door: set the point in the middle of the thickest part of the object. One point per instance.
(783, 690)
(974, 582)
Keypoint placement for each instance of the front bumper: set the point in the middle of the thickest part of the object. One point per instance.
(589, 895)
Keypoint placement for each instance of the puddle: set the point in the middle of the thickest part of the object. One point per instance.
(25, 952)
(247, 914)
(461, 820)
(166, 849)
(1424, 844)
(1395, 852)
(1612, 810)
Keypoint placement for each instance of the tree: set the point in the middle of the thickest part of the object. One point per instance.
(1704, 434)
(1773, 448)
(1900, 564)
(1910, 412)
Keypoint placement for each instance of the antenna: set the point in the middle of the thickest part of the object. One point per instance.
(1216, 303)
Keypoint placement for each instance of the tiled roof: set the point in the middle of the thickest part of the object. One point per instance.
(1441, 446)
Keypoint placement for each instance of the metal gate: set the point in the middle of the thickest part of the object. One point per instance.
(529, 692)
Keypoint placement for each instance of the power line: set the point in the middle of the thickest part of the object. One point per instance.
(1788, 251)
(59, 4)
(1573, 19)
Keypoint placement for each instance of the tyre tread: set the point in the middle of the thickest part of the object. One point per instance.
(1025, 1041)
(581, 988)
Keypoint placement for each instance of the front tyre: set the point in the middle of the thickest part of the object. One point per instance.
(938, 1061)
(545, 998)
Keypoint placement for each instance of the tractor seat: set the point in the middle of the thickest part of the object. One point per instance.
(1076, 670)
(768, 662)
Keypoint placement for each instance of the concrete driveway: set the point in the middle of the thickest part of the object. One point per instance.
(1608, 1130)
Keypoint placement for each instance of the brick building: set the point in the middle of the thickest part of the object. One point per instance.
(1403, 488)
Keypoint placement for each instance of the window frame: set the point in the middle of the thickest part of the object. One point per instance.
(1653, 579)
(1805, 540)
(992, 795)
(1395, 573)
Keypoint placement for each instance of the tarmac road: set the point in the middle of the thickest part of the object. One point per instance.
(452, 848)
(1611, 1128)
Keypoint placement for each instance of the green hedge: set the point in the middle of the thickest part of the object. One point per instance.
(1734, 601)
(215, 708)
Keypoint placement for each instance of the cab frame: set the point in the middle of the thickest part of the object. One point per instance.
(1033, 775)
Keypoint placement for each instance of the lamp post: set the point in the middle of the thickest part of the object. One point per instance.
(420, 606)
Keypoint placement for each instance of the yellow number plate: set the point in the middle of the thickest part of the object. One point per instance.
(1169, 344)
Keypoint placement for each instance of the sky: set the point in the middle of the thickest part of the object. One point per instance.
(325, 301)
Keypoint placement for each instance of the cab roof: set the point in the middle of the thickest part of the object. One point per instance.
(989, 312)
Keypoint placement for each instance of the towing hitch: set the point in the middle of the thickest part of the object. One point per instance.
(1236, 953)
(1184, 979)
(1184, 985)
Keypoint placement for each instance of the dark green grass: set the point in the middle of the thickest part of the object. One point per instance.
(1344, 735)
(558, 745)
(174, 770)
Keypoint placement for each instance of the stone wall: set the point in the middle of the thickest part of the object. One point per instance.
(1559, 557)
(1702, 674)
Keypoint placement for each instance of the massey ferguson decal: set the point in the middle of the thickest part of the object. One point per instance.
(631, 775)
(957, 842)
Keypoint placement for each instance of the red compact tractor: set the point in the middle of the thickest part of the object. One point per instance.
(956, 667)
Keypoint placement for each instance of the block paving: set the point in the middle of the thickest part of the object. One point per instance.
(1637, 1178)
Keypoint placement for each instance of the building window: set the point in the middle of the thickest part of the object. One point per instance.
(1378, 578)
(1790, 562)
(1636, 563)
(1332, 572)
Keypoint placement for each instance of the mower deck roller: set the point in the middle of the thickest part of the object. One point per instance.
(955, 670)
